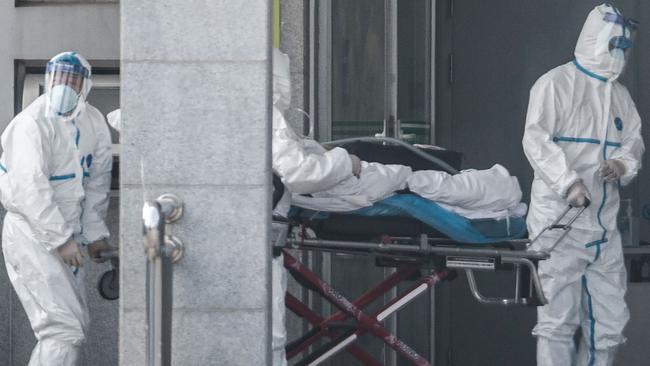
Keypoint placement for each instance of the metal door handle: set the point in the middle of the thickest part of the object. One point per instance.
(162, 252)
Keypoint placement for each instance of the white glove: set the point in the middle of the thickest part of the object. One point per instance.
(578, 195)
(356, 165)
(70, 253)
(611, 170)
(96, 248)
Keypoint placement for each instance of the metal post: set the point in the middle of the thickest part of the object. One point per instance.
(162, 251)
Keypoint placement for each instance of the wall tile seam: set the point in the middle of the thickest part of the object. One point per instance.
(127, 61)
(200, 309)
(43, 6)
(223, 310)
(200, 185)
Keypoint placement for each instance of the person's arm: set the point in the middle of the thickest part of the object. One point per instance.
(545, 156)
(306, 172)
(97, 185)
(632, 146)
(26, 188)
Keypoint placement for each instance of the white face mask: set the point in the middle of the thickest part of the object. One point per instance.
(63, 99)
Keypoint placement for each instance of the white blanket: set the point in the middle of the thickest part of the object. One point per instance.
(490, 193)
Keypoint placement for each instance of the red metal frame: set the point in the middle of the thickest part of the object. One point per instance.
(364, 323)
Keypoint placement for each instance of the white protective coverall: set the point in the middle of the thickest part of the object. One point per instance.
(578, 116)
(54, 183)
(304, 167)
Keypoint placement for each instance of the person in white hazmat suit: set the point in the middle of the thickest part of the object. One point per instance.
(304, 167)
(54, 183)
(583, 140)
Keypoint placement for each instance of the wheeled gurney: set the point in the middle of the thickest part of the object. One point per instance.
(416, 237)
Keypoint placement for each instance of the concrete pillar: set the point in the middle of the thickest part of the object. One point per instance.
(196, 113)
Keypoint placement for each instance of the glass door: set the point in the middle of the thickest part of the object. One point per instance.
(379, 69)
(358, 68)
(414, 47)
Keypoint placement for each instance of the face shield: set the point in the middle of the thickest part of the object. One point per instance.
(67, 83)
(623, 33)
(615, 40)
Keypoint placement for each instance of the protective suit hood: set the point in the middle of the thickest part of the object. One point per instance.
(595, 51)
(281, 80)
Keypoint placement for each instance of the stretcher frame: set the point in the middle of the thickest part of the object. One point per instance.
(435, 258)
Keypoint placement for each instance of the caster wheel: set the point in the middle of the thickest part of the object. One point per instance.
(109, 285)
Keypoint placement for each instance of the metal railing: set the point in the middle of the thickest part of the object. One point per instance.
(162, 252)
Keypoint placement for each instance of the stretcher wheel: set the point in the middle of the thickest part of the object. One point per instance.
(109, 285)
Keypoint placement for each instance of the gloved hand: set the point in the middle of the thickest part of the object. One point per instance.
(96, 248)
(70, 253)
(611, 170)
(578, 195)
(356, 165)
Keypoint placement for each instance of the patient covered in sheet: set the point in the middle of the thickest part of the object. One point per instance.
(491, 193)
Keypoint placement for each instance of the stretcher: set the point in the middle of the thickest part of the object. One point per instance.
(420, 240)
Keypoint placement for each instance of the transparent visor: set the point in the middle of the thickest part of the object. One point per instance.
(64, 85)
(623, 34)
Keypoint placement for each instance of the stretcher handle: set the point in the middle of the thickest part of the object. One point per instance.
(109, 254)
(566, 227)
(568, 224)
